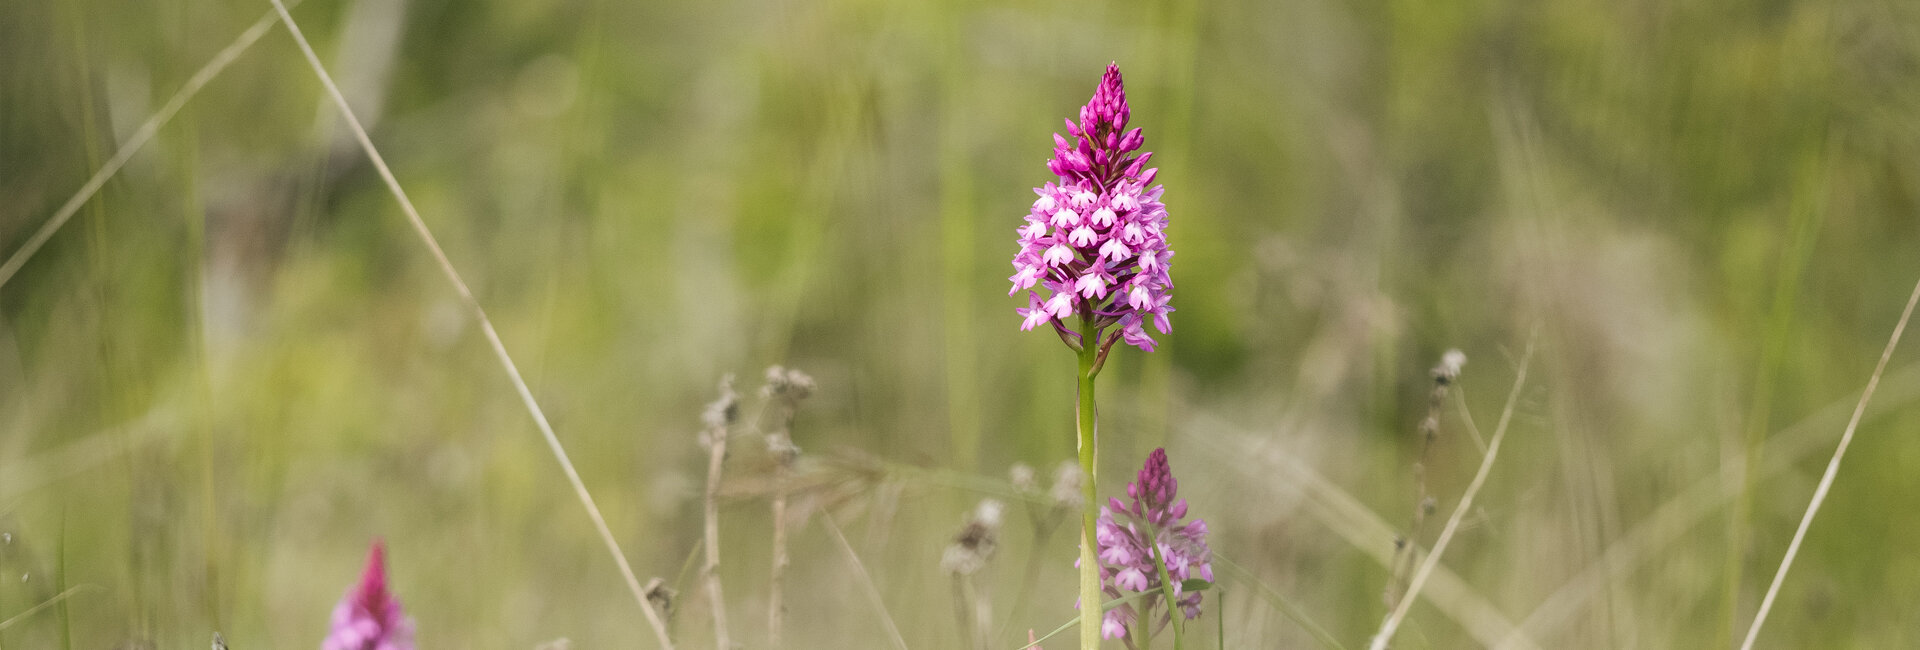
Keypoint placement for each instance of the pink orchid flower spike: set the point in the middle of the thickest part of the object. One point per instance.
(1099, 229)
(368, 616)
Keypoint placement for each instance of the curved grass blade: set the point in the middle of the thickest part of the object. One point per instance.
(1189, 585)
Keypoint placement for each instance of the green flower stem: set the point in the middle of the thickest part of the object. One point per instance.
(1166, 589)
(1090, 599)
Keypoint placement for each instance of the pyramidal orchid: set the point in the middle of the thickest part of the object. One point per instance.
(1095, 242)
(1095, 239)
(1145, 548)
(368, 616)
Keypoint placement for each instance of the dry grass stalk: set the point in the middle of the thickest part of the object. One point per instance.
(1444, 375)
(486, 326)
(784, 391)
(777, 574)
(661, 596)
(719, 417)
(1833, 469)
(1459, 511)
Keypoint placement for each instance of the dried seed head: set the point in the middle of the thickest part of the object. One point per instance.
(724, 410)
(790, 384)
(1449, 368)
(782, 449)
(1429, 426)
(1024, 478)
(1067, 483)
(989, 513)
(660, 596)
(978, 539)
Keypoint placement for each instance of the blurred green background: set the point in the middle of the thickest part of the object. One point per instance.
(236, 365)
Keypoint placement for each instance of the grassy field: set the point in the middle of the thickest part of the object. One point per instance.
(236, 365)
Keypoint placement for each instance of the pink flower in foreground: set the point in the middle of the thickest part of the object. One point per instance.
(1130, 534)
(1099, 231)
(369, 618)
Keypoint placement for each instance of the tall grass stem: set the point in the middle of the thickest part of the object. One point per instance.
(1833, 469)
(1399, 614)
(716, 458)
(786, 455)
(777, 573)
(1444, 374)
(486, 327)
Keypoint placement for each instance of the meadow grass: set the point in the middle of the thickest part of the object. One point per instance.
(712, 198)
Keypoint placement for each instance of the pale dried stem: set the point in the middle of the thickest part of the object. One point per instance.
(973, 611)
(1833, 469)
(780, 441)
(777, 578)
(982, 614)
(1399, 614)
(716, 456)
(486, 327)
(963, 611)
(1466, 417)
(1429, 431)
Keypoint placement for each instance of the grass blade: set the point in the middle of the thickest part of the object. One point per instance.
(486, 327)
(16, 618)
(1278, 602)
(1833, 469)
(866, 580)
(1190, 585)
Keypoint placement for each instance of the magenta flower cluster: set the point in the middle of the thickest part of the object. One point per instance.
(368, 617)
(1129, 534)
(1096, 239)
